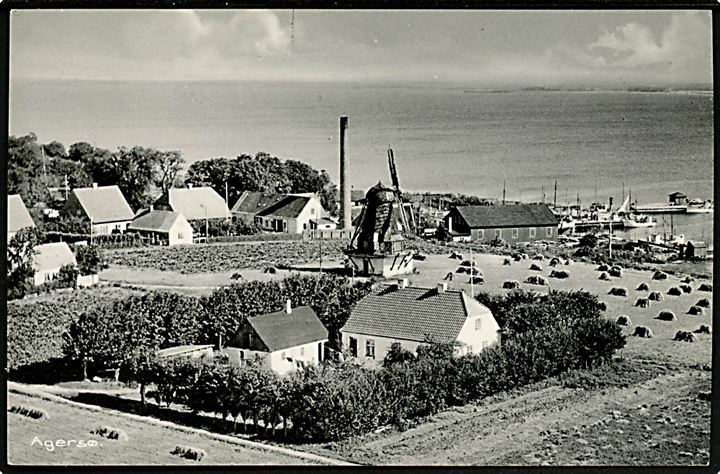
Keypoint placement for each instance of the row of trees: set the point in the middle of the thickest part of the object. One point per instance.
(265, 173)
(342, 399)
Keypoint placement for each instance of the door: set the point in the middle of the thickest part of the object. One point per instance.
(353, 347)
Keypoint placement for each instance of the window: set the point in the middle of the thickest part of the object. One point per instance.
(532, 232)
(478, 324)
(312, 211)
(180, 236)
(302, 351)
(481, 234)
(370, 348)
(548, 232)
(353, 347)
(498, 233)
(515, 234)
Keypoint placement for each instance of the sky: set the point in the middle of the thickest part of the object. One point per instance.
(487, 48)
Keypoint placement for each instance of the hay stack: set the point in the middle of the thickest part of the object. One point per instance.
(536, 267)
(467, 263)
(536, 280)
(705, 287)
(703, 329)
(703, 303)
(506, 261)
(188, 452)
(618, 291)
(604, 276)
(476, 280)
(684, 336)
(115, 434)
(561, 274)
(674, 291)
(623, 320)
(696, 311)
(658, 275)
(539, 257)
(687, 279)
(524, 256)
(655, 296)
(517, 257)
(554, 261)
(615, 272)
(642, 287)
(642, 303)
(666, 316)
(686, 288)
(511, 284)
(30, 412)
(456, 256)
(449, 276)
(474, 271)
(461, 270)
(602, 268)
(642, 331)
(272, 270)
(568, 261)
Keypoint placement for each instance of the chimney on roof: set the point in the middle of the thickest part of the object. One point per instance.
(189, 185)
(288, 307)
(402, 283)
(442, 287)
(94, 185)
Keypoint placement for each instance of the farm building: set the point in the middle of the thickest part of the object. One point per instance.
(357, 197)
(511, 223)
(18, 216)
(48, 259)
(194, 203)
(190, 351)
(284, 340)
(162, 227)
(288, 213)
(412, 316)
(695, 249)
(104, 207)
(323, 223)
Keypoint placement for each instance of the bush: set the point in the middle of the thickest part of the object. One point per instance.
(30, 412)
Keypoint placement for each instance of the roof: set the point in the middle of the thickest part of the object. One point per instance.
(280, 330)
(677, 194)
(697, 243)
(104, 204)
(155, 220)
(52, 256)
(182, 350)
(18, 215)
(323, 220)
(255, 201)
(289, 206)
(515, 215)
(411, 313)
(195, 203)
(357, 195)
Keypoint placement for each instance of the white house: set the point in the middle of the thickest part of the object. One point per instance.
(48, 259)
(162, 227)
(18, 216)
(284, 340)
(412, 316)
(288, 213)
(194, 203)
(104, 206)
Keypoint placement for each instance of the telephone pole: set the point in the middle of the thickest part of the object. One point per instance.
(555, 194)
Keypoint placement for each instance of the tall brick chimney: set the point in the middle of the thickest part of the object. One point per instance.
(345, 206)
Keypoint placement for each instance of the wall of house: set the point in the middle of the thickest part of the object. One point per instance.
(109, 227)
(310, 353)
(479, 332)
(181, 232)
(515, 234)
(382, 346)
(247, 218)
(313, 210)
(43, 276)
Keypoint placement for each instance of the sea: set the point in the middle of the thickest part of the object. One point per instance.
(446, 137)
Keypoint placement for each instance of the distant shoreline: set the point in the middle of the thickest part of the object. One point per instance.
(591, 91)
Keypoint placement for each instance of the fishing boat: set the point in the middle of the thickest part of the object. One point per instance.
(697, 206)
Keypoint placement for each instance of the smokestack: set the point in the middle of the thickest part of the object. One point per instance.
(345, 209)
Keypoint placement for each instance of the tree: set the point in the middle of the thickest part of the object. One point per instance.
(397, 355)
(19, 261)
(54, 149)
(169, 164)
(90, 259)
(25, 168)
(588, 241)
(81, 151)
(67, 276)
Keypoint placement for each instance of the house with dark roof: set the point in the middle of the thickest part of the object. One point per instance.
(511, 223)
(194, 203)
(18, 216)
(104, 207)
(48, 259)
(411, 316)
(283, 340)
(162, 227)
(677, 199)
(288, 213)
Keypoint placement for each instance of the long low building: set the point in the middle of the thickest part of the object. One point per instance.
(511, 223)
(162, 227)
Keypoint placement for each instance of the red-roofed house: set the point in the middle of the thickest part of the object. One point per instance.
(412, 316)
(104, 206)
(511, 223)
(288, 213)
(285, 340)
(18, 216)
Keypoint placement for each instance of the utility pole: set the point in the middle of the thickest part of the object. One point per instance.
(542, 191)
(555, 194)
(578, 203)
(320, 242)
(503, 201)
(472, 275)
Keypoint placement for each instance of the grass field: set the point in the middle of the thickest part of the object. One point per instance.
(147, 443)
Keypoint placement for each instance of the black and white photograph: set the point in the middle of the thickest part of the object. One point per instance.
(347, 237)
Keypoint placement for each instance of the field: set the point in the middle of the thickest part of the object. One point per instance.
(147, 442)
(224, 257)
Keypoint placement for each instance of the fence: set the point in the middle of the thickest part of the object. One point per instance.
(327, 234)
